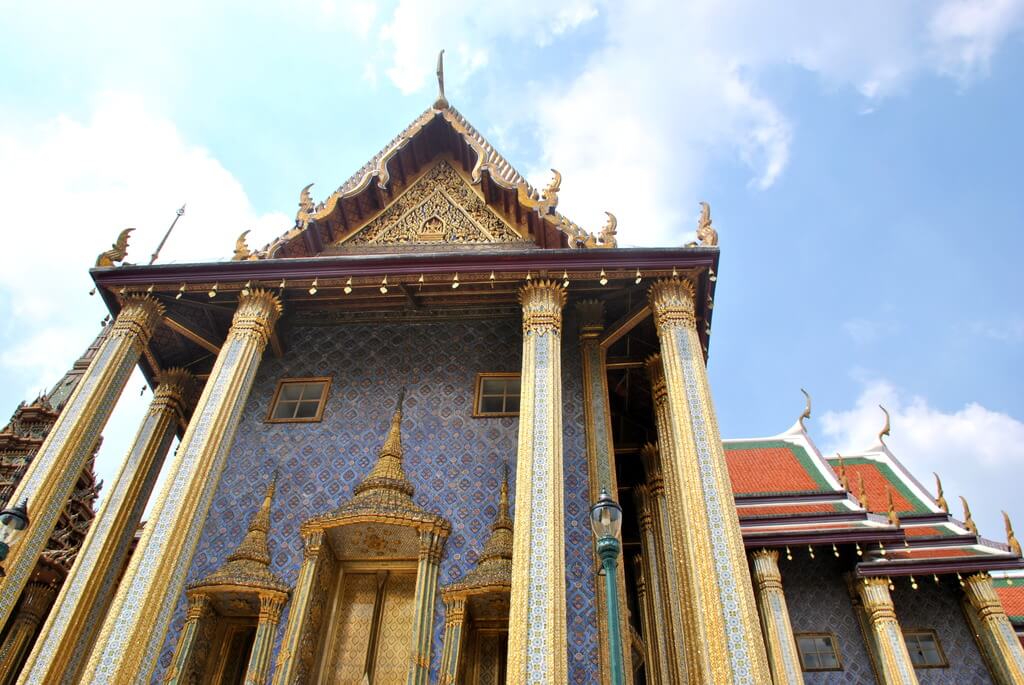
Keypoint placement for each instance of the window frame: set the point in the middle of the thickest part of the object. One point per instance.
(290, 380)
(835, 652)
(478, 393)
(938, 647)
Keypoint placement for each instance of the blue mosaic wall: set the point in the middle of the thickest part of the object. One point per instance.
(938, 609)
(452, 459)
(819, 603)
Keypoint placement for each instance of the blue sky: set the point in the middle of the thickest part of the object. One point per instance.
(861, 161)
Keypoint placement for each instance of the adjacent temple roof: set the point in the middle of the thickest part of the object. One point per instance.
(787, 493)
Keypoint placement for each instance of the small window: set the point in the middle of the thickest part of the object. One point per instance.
(818, 652)
(497, 394)
(925, 650)
(299, 400)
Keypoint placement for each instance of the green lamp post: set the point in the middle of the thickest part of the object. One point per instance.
(606, 520)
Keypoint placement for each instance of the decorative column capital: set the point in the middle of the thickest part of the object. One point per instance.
(542, 303)
(311, 542)
(174, 392)
(431, 546)
(982, 595)
(874, 594)
(257, 312)
(644, 508)
(454, 611)
(767, 575)
(591, 313)
(656, 374)
(672, 302)
(270, 607)
(36, 599)
(198, 607)
(139, 316)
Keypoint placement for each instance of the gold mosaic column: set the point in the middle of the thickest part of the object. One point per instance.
(1002, 649)
(783, 658)
(451, 653)
(661, 669)
(70, 629)
(259, 659)
(597, 419)
(706, 527)
(652, 671)
(36, 601)
(134, 630)
(666, 564)
(537, 653)
(683, 601)
(431, 546)
(885, 637)
(312, 559)
(199, 610)
(53, 472)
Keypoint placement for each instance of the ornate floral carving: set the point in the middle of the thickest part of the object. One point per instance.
(672, 301)
(542, 303)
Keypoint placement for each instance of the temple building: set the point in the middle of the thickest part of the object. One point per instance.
(393, 421)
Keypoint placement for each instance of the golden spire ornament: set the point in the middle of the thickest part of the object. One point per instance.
(969, 523)
(1011, 539)
(939, 499)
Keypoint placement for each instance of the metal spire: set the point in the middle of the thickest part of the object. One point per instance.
(177, 215)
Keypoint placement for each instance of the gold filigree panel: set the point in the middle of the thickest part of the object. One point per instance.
(440, 207)
(374, 541)
(355, 620)
(391, 666)
(489, 666)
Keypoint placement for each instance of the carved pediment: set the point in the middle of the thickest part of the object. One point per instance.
(440, 207)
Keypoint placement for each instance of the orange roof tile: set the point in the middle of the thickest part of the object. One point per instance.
(879, 480)
(789, 509)
(771, 466)
(1012, 597)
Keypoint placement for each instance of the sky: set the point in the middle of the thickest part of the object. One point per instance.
(862, 163)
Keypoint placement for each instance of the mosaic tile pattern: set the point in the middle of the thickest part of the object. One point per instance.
(453, 460)
(819, 603)
(938, 609)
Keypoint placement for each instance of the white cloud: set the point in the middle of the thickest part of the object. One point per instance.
(675, 86)
(978, 452)
(67, 187)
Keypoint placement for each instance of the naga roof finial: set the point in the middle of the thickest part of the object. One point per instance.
(706, 233)
(1011, 539)
(117, 252)
(242, 251)
(807, 410)
(969, 523)
(441, 102)
(885, 429)
(306, 205)
(939, 499)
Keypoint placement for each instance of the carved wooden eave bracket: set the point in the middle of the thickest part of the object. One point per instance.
(486, 167)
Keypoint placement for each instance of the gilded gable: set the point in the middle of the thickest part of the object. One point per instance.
(440, 207)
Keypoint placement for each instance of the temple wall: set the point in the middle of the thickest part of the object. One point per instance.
(938, 609)
(452, 459)
(819, 603)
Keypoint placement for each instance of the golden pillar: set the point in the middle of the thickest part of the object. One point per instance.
(135, 627)
(652, 670)
(199, 610)
(783, 658)
(454, 627)
(884, 635)
(431, 546)
(70, 629)
(537, 653)
(703, 517)
(601, 467)
(263, 643)
(665, 562)
(1003, 650)
(36, 600)
(288, 662)
(660, 669)
(53, 472)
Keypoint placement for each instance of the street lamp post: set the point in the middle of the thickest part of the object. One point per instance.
(13, 520)
(606, 521)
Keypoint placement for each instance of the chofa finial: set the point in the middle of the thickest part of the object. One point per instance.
(894, 519)
(844, 480)
(442, 101)
(885, 429)
(939, 499)
(242, 251)
(1011, 539)
(306, 205)
(706, 233)
(807, 409)
(862, 495)
(969, 523)
(117, 252)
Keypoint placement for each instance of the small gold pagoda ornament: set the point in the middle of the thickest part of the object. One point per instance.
(969, 523)
(117, 252)
(939, 499)
(242, 251)
(1011, 539)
